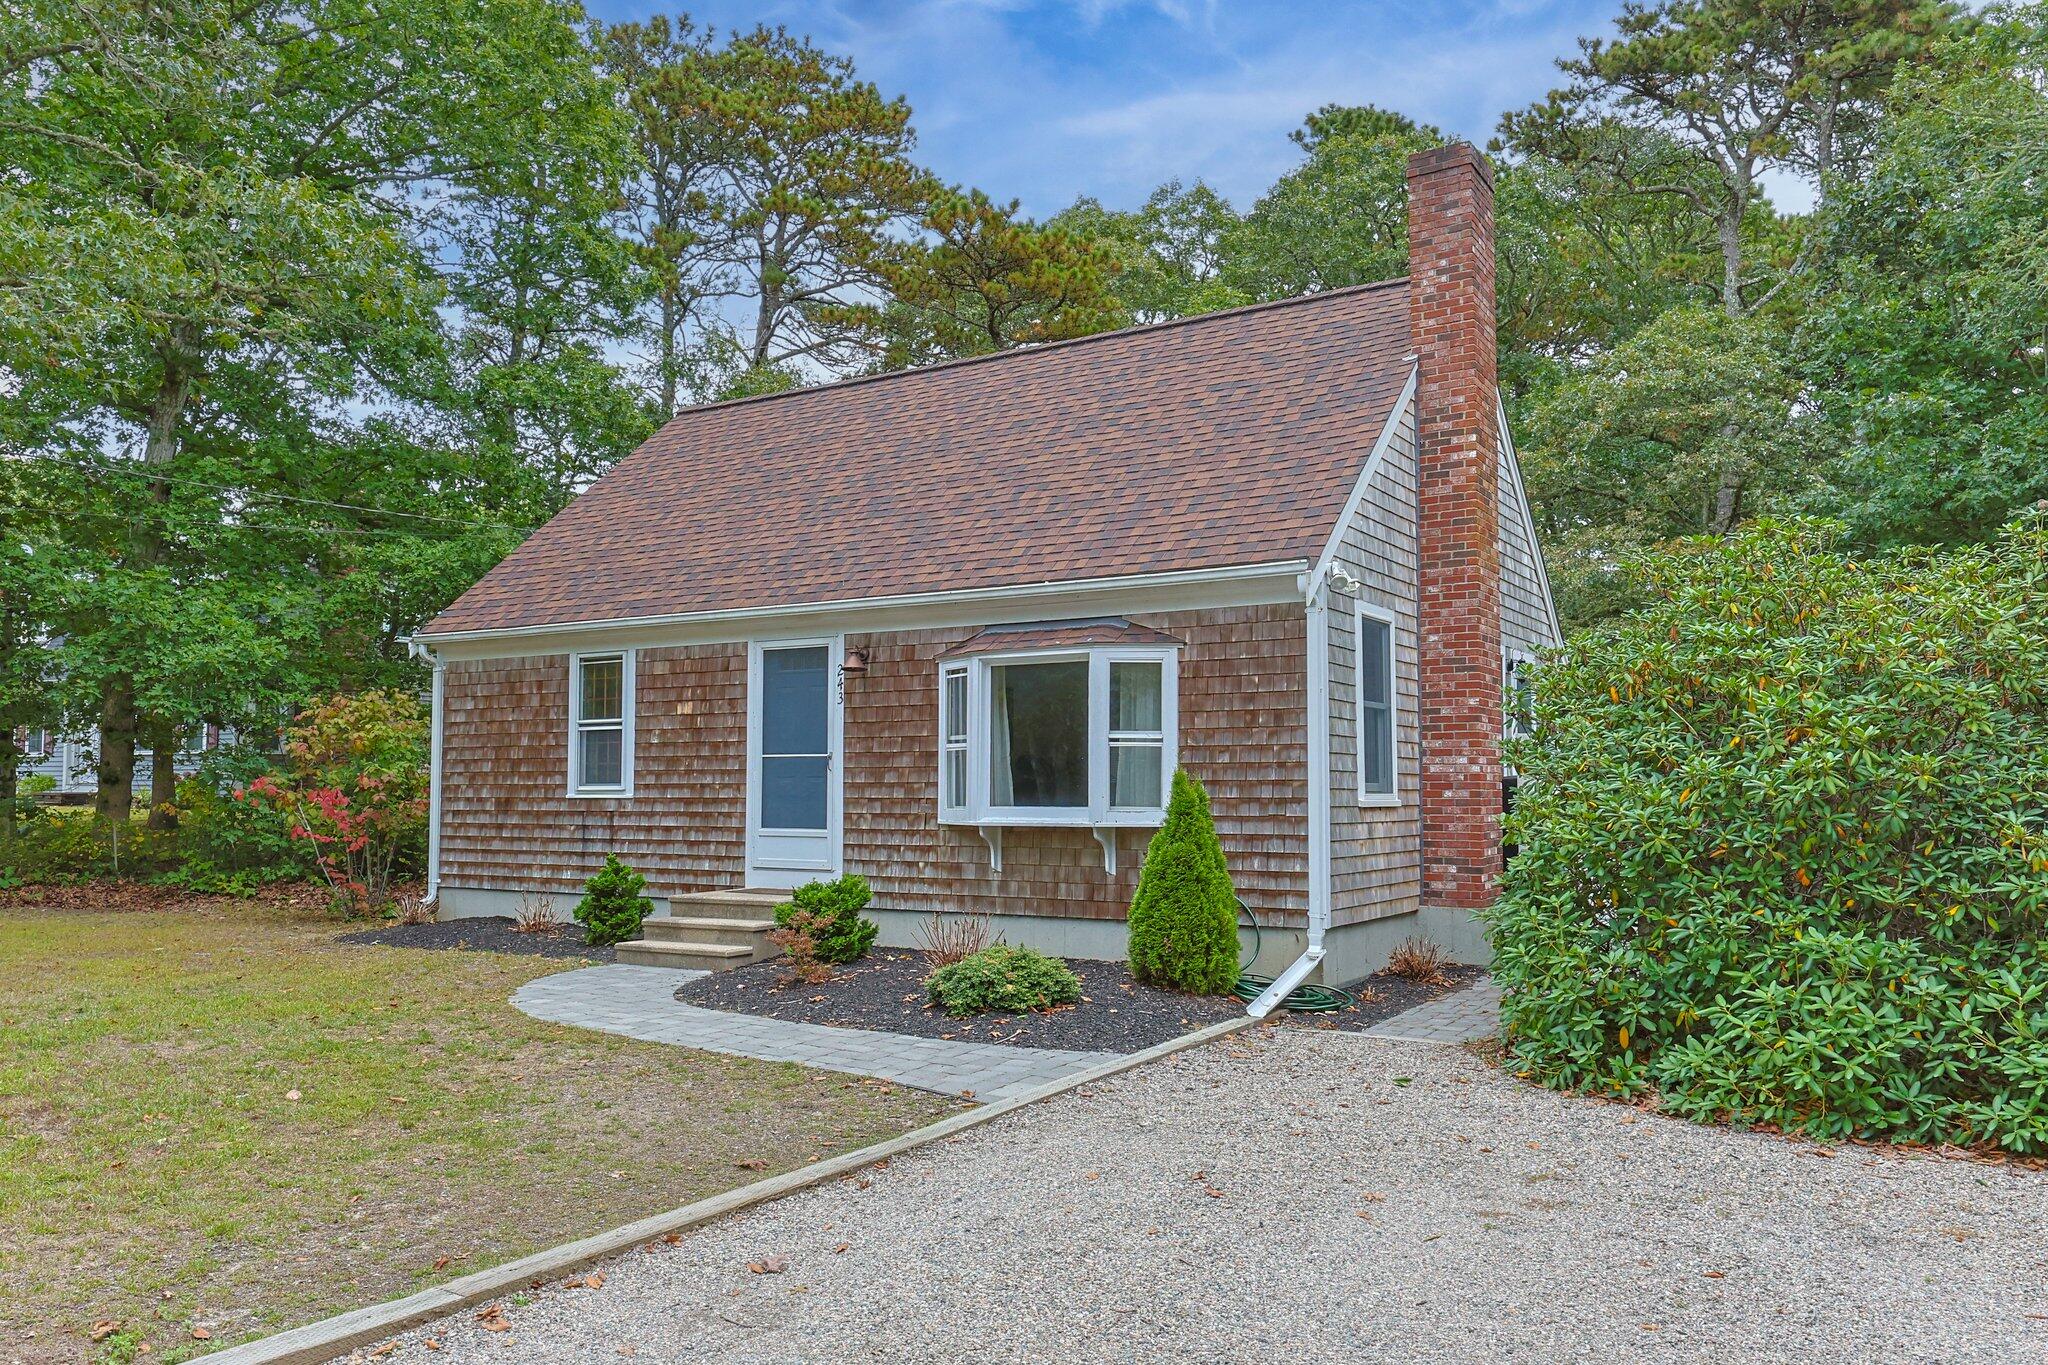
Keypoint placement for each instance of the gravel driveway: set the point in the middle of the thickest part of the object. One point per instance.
(1287, 1193)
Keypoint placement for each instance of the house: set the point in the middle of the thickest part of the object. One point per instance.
(952, 629)
(68, 760)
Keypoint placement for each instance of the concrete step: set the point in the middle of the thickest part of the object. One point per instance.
(734, 904)
(744, 933)
(703, 957)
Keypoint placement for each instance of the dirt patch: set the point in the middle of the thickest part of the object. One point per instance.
(885, 991)
(1383, 995)
(492, 934)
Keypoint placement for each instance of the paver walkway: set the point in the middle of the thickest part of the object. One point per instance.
(640, 1002)
(1463, 1016)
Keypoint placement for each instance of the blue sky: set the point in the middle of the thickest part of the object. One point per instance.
(1044, 100)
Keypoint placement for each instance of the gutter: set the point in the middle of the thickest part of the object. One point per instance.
(419, 650)
(1316, 603)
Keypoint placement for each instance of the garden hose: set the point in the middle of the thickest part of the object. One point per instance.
(1303, 999)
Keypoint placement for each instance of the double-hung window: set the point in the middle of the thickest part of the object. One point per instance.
(1058, 737)
(1377, 780)
(601, 724)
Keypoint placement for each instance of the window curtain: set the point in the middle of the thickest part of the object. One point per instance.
(1001, 789)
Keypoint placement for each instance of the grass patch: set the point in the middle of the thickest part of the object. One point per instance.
(224, 1119)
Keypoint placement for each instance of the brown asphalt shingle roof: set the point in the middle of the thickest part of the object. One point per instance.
(1227, 439)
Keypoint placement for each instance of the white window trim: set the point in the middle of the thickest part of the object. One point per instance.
(1098, 813)
(1368, 612)
(628, 666)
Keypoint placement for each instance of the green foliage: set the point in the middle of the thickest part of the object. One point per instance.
(1003, 979)
(355, 791)
(1924, 347)
(830, 913)
(613, 904)
(1783, 839)
(1183, 922)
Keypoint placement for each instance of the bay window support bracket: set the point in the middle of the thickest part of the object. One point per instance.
(992, 835)
(1106, 836)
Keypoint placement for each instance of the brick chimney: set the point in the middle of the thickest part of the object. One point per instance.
(1451, 317)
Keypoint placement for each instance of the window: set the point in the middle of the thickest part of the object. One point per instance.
(1376, 760)
(953, 740)
(601, 724)
(1072, 737)
(1518, 687)
(35, 743)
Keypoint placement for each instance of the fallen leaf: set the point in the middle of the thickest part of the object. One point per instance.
(769, 1265)
(201, 1334)
(104, 1328)
(594, 1280)
(292, 1095)
(386, 1349)
(1820, 1151)
(1091, 1175)
(671, 1238)
(441, 1262)
(1373, 1197)
(752, 1164)
(841, 1248)
(1715, 1274)
(1212, 1191)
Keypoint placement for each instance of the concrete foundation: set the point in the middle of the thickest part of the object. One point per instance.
(1354, 950)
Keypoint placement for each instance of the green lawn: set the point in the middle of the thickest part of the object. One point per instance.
(227, 1120)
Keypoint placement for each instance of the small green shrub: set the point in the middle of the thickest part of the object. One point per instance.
(1183, 924)
(1783, 843)
(35, 784)
(612, 905)
(828, 913)
(1004, 979)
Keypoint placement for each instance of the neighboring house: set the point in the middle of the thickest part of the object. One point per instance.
(67, 760)
(953, 628)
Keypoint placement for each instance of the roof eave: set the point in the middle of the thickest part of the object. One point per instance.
(992, 596)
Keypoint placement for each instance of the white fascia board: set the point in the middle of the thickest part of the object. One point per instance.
(1362, 488)
(1231, 585)
(1507, 446)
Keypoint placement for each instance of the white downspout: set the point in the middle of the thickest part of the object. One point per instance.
(1318, 609)
(433, 890)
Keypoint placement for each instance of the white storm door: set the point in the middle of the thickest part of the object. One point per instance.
(792, 763)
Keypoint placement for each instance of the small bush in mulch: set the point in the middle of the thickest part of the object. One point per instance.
(613, 904)
(827, 914)
(1183, 921)
(1003, 978)
(495, 934)
(886, 991)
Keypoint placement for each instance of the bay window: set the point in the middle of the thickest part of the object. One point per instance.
(1067, 737)
(601, 724)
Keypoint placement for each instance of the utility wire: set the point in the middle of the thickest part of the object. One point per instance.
(133, 471)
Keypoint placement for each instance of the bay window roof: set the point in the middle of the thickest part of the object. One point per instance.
(1101, 630)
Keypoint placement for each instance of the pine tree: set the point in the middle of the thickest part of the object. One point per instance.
(1183, 921)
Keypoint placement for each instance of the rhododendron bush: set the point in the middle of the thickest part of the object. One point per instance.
(355, 788)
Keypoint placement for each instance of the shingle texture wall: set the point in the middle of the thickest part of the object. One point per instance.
(507, 823)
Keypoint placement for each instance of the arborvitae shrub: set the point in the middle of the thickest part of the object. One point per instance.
(1183, 924)
(612, 905)
(1783, 841)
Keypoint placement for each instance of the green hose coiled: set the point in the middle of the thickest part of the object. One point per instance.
(1303, 999)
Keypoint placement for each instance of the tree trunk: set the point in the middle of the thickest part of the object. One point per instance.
(10, 784)
(671, 323)
(1727, 502)
(119, 720)
(163, 784)
(115, 797)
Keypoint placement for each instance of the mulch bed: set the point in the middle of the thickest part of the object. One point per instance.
(885, 991)
(492, 934)
(1383, 995)
(108, 895)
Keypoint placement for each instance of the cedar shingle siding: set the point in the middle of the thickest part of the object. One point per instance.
(507, 821)
(508, 824)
